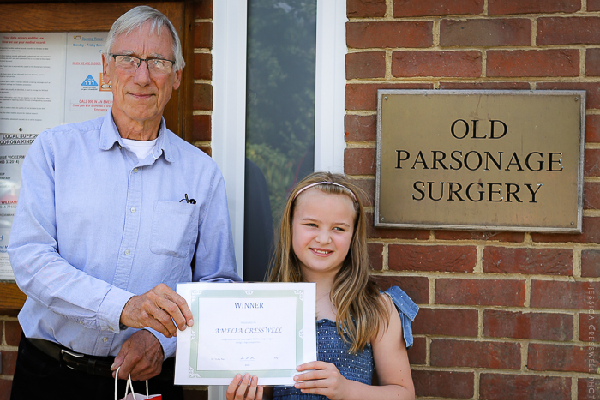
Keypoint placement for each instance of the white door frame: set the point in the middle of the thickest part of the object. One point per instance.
(229, 98)
(230, 18)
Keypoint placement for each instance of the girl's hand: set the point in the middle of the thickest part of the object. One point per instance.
(324, 379)
(244, 388)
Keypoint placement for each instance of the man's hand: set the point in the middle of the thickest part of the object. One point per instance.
(141, 356)
(157, 309)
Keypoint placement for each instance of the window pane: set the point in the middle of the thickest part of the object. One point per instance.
(280, 115)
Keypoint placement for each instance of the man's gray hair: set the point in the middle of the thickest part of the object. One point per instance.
(135, 18)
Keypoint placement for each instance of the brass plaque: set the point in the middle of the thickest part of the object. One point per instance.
(483, 160)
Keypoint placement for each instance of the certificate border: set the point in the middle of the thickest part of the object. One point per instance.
(308, 338)
(196, 295)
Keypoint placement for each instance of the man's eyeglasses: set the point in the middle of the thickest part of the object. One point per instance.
(130, 64)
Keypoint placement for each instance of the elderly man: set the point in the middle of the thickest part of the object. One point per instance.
(112, 214)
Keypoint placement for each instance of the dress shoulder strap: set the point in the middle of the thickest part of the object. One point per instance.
(407, 309)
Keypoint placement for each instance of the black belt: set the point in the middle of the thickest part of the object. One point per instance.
(91, 365)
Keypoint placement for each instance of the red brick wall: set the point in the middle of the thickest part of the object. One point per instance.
(202, 70)
(504, 315)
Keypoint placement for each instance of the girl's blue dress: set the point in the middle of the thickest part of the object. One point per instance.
(332, 349)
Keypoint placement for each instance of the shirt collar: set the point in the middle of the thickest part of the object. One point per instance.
(109, 135)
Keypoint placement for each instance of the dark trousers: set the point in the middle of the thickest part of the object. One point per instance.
(39, 376)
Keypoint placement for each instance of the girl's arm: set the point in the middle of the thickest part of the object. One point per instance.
(391, 364)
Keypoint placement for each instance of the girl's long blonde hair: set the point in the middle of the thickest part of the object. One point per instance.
(361, 311)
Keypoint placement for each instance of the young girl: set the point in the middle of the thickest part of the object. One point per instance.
(360, 334)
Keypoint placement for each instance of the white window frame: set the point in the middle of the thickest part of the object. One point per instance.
(230, 19)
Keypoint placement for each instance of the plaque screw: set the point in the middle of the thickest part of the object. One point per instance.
(385, 97)
(572, 223)
(576, 98)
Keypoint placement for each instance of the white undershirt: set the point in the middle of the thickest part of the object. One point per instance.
(141, 148)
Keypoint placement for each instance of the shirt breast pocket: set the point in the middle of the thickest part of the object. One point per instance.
(174, 228)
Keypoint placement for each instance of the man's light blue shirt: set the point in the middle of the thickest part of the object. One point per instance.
(94, 226)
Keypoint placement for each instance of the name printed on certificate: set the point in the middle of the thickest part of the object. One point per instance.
(265, 329)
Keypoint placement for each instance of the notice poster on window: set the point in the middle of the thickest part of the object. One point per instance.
(87, 96)
(46, 79)
(13, 148)
(32, 70)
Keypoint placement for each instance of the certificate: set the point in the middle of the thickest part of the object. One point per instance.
(264, 329)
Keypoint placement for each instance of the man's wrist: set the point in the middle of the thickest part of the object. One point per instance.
(122, 326)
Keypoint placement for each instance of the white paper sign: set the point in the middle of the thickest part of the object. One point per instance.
(13, 148)
(32, 70)
(264, 329)
(87, 96)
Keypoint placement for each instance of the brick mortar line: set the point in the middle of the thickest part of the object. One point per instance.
(486, 8)
(491, 276)
(8, 318)
(388, 64)
(522, 245)
(592, 145)
(431, 287)
(512, 341)
(591, 213)
(198, 112)
(527, 300)
(484, 65)
(203, 20)
(473, 17)
(364, 176)
(360, 145)
(484, 276)
(524, 355)
(573, 314)
(533, 31)
(202, 50)
(480, 334)
(389, 9)
(203, 81)
(436, 33)
(544, 373)
(456, 48)
(427, 352)
(202, 143)
(577, 262)
(362, 113)
(479, 263)
(582, 62)
(476, 380)
(486, 243)
(477, 79)
(384, 258)
(576, 332)
(591, 179)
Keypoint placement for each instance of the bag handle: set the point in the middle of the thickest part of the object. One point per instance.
(128, 386)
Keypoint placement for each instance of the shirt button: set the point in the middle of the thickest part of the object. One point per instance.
(104, 340)
(132, 209)
(135, 170)
(126, 252)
